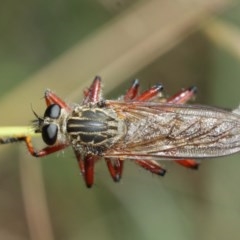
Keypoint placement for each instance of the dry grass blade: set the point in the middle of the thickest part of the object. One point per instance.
(17, 131)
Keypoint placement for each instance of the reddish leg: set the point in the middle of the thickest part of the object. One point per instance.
(152, 166)
(41, 153)
(81, 164)
(115, 167)
(150, 93)
(89, 161)
(181, 98)
(86, 167)
(188, 163)
(92, 94)
(132, 91)
(52, 98)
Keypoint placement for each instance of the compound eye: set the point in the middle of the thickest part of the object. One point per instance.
(53, 111)
(49, 133)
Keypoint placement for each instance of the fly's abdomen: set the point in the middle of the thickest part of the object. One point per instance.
(93, 128)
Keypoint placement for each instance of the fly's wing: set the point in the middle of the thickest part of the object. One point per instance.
(160, 131)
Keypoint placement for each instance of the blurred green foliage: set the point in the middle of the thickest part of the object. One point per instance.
(35, 32)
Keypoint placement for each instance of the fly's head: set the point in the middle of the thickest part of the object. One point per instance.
(51, 125)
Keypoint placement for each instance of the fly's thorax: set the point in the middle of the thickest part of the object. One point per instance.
(93, 129)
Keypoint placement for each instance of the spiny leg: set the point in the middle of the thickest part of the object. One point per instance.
(52, 98)
(150, 93)
(89, 162)
(115, 168)
(132, 91)
(86, 166)
(152, 166)
(188, 163)
(80, 163)
(92, 94)
(183, 96)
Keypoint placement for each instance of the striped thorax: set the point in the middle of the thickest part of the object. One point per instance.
(93, 129)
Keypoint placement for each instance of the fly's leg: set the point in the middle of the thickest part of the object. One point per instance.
(89, 162)
(80, 163)
(188, 163)
(152, 166)
(41, 153)
(132, 91)
(145, 96)
(115, 168)
(150, 93)
(93, 93)
(86, 167)
(181, 98)
(52, 98)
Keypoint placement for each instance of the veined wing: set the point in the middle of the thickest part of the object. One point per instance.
(157, 131)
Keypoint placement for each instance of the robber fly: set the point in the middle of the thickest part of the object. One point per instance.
(138, 127)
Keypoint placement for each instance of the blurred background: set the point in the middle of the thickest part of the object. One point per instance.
(62, 45)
